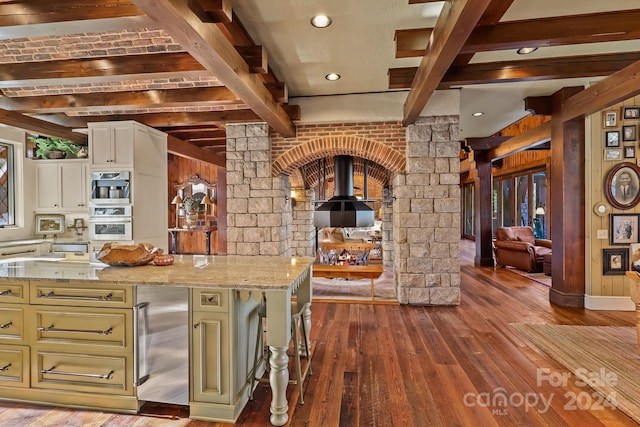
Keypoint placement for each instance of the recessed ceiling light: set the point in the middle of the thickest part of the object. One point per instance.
(321, 21)
(332, 77)
(477, 114)
(526, 50)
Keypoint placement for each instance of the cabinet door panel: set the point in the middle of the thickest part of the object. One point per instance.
(47, 186)
(14, 365)
(123, 144)
(210, 375)
(100, 145)
(12, 324)
(81, 372)
(72, 178)
(94, 327)
(15, 292)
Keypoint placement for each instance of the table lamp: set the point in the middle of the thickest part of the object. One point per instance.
(177, 201)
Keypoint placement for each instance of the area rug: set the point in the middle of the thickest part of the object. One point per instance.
(589, 350)
(355, 289)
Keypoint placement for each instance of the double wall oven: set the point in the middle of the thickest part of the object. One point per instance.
(110, 209)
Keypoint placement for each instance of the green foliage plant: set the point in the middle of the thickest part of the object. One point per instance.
(44, 144)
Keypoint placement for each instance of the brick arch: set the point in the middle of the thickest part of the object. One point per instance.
(295, 158)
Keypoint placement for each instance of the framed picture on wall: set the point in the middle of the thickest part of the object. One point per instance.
(629, 132)
(49, 224)
(615, 262)
(622, 185)
(634, 254)
(610, 119)
(612, 138)
(623, 229)
(629, 152)
(612, 155)
(631, 113)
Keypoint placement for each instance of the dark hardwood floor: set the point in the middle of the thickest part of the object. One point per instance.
(392, 365)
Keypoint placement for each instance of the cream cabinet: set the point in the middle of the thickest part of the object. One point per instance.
(68, 343)
(61, 186)
(14, 349)
(111, 144)
(223, 336)
(21, 250)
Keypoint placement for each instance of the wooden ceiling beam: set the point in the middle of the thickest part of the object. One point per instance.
(544, 32)
(29, 12)
(524, 70)
(529, 139)
(255, 57)
(491, 16)
(205, 118)
(40, 127)
(191, 136)
(213, 11)
(189, 151)
(101, 101)
(454, 25)
(212, 49)
(28, 73)
(621, 85)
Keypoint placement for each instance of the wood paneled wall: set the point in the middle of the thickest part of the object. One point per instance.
(180, 169)
(597, 169)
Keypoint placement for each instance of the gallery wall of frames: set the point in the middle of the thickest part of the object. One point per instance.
(612, 198)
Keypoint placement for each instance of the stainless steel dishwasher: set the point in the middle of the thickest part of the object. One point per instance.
(161, 344)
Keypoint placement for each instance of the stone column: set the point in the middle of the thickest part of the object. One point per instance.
(426, 215)
(303, 241)
(258, 210)
(387, 230)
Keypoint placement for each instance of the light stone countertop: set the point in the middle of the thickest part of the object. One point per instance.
(198, 271)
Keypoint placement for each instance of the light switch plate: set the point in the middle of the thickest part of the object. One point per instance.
(603, 234)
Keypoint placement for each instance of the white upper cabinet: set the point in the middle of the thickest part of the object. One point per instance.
(111, 144)
(61, 186)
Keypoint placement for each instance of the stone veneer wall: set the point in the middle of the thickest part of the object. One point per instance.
(426, 215)
(303, 239)
(387, 232)
(259, 218)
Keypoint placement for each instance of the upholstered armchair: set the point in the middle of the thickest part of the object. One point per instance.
(517, 247)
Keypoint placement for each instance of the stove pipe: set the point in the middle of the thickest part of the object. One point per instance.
(343, 209)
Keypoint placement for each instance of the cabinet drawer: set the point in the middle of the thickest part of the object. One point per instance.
(12, 324)
(14, 292)
(85, 326)
(210, 300)
(89, 296)
(81, 372)
(14, 365)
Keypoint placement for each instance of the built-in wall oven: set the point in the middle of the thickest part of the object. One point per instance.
(111, 223)
(110, 188)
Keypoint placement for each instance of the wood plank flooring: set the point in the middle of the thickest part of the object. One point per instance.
(391, 365)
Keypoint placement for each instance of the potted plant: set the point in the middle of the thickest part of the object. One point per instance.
(191, 207)
(54, 148)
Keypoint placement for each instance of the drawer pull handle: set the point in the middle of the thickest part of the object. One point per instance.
(77, 374)
(6, 293)
(53, 295)
(6, 325)
(82, 331)
(5, 368)
(26, 251)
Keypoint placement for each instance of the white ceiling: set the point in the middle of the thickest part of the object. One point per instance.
(360, 46)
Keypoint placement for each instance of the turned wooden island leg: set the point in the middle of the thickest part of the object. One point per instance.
(279, 379)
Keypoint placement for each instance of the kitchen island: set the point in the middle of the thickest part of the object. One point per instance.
(68, 330)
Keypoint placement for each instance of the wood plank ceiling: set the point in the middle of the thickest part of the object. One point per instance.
(189, 67)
